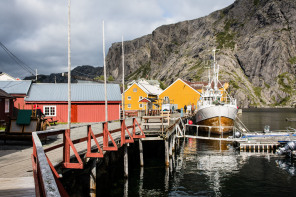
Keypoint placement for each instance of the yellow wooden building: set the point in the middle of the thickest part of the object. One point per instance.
(180, 93)
(138, 91)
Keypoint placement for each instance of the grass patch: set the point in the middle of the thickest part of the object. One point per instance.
(162, 85)
(233, 84)
(257, 91)
(266, 85)
(286, 87)
(292, 60)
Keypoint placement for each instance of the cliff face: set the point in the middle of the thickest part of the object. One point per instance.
(257, 53)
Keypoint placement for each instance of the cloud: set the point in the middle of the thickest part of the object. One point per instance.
(36, 30)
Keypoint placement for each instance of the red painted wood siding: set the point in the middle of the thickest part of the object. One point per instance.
(86, 112)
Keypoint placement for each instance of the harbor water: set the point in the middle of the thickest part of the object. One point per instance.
(212, 168)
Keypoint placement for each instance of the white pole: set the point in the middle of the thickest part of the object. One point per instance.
(105, 78)
(123, 96)
(69, 68)
(36, 75)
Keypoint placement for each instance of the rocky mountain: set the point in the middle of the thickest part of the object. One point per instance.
(257, 42)
(85, 72)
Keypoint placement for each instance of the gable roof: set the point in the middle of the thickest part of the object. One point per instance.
(4, 94)
(150, 87)
(79, 92)
(6, 77)
(184, 83)
(16, 87)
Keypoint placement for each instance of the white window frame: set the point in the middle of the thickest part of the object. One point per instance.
(129, 105)
(7, 105)
(129, 98)
(50, 106)
(135, 90)
(141, 105)
(140, 98)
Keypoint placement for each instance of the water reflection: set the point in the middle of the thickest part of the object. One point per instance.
(287, 164)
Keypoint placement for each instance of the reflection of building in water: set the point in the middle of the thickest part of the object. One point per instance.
(215, 159)
(287, 165)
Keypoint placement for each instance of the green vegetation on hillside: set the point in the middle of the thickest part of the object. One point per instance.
(141, 72)
(225, 39)
(292, 60)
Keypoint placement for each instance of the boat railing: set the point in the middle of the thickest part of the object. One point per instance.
(223, 100)
(210, 134)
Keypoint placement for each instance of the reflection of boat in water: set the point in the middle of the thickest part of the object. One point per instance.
(215, 107)
(287, 165)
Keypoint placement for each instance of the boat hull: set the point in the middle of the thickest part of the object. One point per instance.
(220, 117)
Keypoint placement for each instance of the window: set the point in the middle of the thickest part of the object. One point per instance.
(166, 100)
(6, 105)
(129, 105)
(141, 105)
(140, 98)
(135, 90)
(49, 110)
(129, 98)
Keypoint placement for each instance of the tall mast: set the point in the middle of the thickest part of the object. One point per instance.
(69, 68)
(105, 78)
(123, 99)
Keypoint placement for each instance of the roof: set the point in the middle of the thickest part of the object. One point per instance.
(149, 89)
(147, 100)
(200, 84)
(6, 77)
(79, 92)
(185, 82)
(16, 87)
(4, 94)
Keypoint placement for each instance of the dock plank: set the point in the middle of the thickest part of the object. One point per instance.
(20, 186)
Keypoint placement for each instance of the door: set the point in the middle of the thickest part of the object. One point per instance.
(73, 113)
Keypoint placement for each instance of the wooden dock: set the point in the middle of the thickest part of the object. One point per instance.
(16, 163)
(20, 186)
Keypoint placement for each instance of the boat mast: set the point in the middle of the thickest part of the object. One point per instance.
(123, 113)
(105, 78)
(69, 68)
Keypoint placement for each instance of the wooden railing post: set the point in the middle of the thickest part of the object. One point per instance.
(66, 147)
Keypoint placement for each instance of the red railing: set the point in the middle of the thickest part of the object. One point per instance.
(45, 175)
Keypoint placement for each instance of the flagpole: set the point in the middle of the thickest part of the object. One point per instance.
(123, 96)
(105, 78)
(69, 67)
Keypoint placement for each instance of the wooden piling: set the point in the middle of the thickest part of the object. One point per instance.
(141, 153)
(93, 178)
(170, 147)
(167, 157)
(125, 158)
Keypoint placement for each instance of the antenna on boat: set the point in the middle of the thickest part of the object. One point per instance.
(123, 114)
(69, 67)
(105, 78)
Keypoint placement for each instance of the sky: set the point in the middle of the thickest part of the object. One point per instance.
(36, 31)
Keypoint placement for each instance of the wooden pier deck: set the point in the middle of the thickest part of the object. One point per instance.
(16, 163)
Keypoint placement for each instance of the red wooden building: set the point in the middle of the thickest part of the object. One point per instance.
(18, 90)
(6, 106)
(87, 101)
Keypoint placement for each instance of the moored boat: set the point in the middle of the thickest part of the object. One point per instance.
(216, 109)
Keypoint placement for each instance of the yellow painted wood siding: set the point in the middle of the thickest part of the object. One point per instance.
(134, 98)
(181, 94)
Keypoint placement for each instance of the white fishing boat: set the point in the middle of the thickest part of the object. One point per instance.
(216, 109)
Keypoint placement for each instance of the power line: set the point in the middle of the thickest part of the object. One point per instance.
(17, 60)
